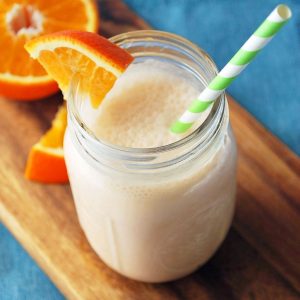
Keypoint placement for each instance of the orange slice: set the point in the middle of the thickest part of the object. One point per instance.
(21, 20)
(46, 159)
(95, 61)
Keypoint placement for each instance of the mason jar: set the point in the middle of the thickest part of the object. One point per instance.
(154, 214)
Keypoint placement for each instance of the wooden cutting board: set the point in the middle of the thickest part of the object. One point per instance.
(260, 258)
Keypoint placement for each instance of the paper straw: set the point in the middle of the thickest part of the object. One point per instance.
(258, 40)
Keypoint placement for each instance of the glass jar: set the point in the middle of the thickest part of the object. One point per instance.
(155, 214)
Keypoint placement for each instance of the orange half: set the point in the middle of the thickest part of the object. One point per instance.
(21, 20)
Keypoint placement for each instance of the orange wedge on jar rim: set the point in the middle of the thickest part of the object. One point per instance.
(96, 62)
(46, 158)
(21, 77)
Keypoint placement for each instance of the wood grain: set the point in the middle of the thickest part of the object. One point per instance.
(268, 214)
(258, 260)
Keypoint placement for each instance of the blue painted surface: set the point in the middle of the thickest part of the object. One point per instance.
(20, 277)
(219, 27)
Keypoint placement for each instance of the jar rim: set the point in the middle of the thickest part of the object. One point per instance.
(217, 109)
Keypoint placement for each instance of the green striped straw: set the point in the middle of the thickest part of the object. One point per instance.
(258, 40)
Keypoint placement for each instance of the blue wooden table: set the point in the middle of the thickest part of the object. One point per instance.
(269, 89)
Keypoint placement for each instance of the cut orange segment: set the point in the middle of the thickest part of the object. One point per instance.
(46, 159)
(95, 61)
(21, 20)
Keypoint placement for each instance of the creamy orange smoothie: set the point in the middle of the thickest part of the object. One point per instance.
(154, 205)
(163, 223)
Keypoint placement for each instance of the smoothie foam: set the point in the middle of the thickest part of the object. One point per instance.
(142, 105)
